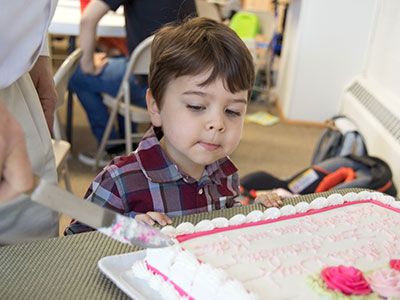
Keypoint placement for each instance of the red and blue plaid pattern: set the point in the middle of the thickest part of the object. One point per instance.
(147, 180)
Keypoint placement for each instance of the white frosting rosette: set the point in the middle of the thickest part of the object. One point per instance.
(254, 216)
(335, 199)
(169, 230)
(377, 196)
(204, 225)
(271, 213)
(302, 207)
(388, 199)
(238, 219)
(350, 197)
(395, 204)
(364, 195)
(220, 222)
(288, 210)
(185, 228)
(319, 203)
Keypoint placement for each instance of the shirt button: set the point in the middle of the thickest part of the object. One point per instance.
(200, 191)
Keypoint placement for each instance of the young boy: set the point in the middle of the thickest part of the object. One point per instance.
(200, 79)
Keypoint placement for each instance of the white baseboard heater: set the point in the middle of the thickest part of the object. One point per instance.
(377, 116)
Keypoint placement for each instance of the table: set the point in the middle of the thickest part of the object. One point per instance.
(67, 17)
(66, 267)
(66, 21)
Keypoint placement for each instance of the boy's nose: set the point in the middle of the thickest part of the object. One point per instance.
(216, 124)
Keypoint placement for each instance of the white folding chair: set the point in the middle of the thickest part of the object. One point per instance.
(265, 58)
(60, 146)
(139, 64)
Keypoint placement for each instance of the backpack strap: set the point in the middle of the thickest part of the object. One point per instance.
(334, 178)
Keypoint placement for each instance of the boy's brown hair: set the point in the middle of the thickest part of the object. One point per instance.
(196, 46)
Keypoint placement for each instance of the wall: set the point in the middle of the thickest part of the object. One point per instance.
(383, 66)
(326, 44)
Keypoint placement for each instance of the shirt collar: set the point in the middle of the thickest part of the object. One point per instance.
(159, 168)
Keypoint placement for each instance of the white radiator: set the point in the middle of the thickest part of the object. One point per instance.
(377, 116)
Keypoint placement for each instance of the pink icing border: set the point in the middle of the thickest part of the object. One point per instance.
(185, 237)
(177, 288)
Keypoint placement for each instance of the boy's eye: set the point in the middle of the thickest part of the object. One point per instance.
(195, 107)
(233, 113)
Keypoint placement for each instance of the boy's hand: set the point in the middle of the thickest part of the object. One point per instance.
(269, 199)
(151, 217)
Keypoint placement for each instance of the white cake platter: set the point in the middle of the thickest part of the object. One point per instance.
(118, 268)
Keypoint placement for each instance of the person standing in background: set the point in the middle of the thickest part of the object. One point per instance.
(99, 74)
(28, 96)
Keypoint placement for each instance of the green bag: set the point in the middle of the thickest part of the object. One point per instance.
(245, 24)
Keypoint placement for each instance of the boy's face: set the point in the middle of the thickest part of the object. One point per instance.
(200, 124)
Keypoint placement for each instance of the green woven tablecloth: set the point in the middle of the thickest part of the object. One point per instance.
(66, 267)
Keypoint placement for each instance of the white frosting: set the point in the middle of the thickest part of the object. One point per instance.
(185, 228)
(238, 219)
(207, 282)
(169, 231)
(350, 197)
(220, 222)
(232, 289)
(184, 269)
(204, 225)
(388, 200)
(377, 196)
(254, 216)
(364, 195)
(302, 207)
(288, 210)
(259, 262)
(395, 204)
(319, 203)
(335, 199)
(140, 270)
(271, 213)
(162, 257)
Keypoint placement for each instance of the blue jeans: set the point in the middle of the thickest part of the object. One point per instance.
(89, 89)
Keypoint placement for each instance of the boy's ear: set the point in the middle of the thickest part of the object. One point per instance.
(153, 109)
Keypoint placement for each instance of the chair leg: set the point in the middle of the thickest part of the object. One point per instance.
(128, 124)
(106, 134)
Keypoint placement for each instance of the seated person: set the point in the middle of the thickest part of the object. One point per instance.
(99, 74)
(200, 80)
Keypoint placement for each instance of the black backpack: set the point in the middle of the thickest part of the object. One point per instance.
(341, 138)
(335, 173)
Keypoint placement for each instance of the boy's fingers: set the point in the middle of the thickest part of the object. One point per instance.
(160, 218)
(144, 218)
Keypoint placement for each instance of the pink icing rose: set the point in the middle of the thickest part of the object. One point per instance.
(348, 280)
(385, 282)
(395, 264)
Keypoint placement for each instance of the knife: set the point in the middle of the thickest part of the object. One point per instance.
(122, 228)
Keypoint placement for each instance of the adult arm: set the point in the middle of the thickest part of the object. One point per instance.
(15, 168)
(91, 62)
(42, 78)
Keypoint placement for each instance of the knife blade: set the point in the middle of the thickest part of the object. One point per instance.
(117, 226)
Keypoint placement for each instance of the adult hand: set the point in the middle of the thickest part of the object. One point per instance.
(151, 217)
(15, 168)
(95, 67)
(42, 77)
(269, 199)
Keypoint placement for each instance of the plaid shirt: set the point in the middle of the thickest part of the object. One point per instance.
(147, 180)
